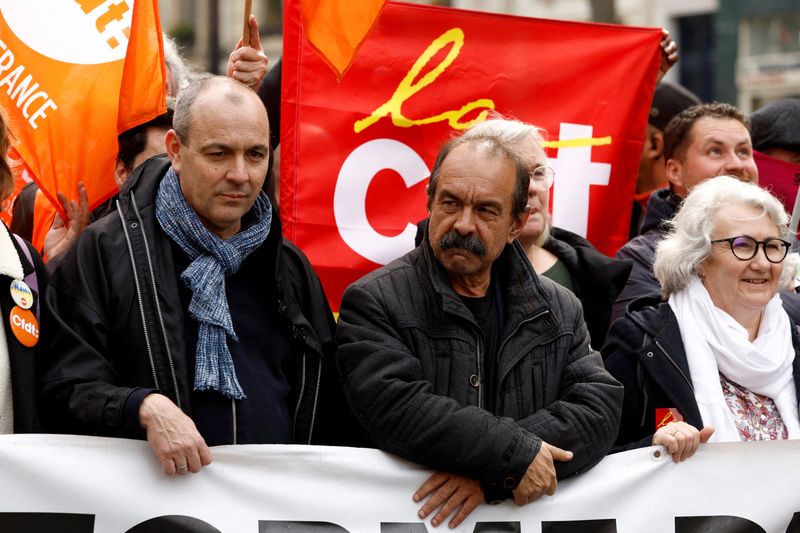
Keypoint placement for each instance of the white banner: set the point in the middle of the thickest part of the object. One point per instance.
(66, 484)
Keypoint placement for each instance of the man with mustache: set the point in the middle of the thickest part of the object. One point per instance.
(701, 142)
(459, 357)
(184, 318)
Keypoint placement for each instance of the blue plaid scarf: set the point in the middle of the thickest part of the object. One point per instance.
(211, 260)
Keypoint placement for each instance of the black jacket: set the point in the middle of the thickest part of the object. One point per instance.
(410, 353)
(119, 323)
(24, 361)
(644, 351)
(641, 251)
(597, 279)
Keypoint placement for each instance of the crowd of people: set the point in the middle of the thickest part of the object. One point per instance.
(182, 316)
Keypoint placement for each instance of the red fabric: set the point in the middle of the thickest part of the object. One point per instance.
(550, 73)
(779, 177)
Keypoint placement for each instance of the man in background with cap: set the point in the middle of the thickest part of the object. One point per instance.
(775, 130)
(668, 100)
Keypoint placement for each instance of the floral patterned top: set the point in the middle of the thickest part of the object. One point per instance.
(756, 417)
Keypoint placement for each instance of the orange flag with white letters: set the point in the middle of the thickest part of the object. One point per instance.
(73, 74)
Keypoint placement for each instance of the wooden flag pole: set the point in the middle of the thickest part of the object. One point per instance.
(248, 6)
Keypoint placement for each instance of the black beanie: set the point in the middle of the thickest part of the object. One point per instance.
(669, 100)
(777, 125)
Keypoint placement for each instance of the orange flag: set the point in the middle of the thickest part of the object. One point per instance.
(73, 74)
(336, 28)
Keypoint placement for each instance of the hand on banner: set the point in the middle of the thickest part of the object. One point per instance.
(681, 439)
(173, 436)
(452, 492)
(64, 234)
(540, 478)
(248, 64)
(669, 54)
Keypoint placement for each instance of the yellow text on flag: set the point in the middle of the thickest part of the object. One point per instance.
(408, 88)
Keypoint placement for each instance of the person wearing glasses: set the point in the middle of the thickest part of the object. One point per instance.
(558, 254)
(716, 357)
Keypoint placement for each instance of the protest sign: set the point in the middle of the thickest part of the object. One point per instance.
(74, 484)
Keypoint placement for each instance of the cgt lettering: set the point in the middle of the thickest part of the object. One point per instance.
(409, 86)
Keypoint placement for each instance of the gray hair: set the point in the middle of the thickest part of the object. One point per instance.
(491, 144)
(687, 244)
(513, 131)
(175, 63)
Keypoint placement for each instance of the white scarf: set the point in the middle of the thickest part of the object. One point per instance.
(716, 343)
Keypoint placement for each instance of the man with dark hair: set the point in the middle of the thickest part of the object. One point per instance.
(700, 143)
(668, 100)
(459, 357)
(140, 143)
(185, 318)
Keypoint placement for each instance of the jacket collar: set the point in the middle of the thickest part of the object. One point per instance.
(10, 264)
(662, 206)
(522, 291)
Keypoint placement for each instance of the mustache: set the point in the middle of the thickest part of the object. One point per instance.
(470, 243)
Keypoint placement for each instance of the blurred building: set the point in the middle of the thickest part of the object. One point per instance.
(207, 30)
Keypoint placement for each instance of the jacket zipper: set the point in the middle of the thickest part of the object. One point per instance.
(480, 372)
(316, 397)
(233, 412)
(158, 305)
(302, 389)
(671, 360)
(139, 297)
(516, 328)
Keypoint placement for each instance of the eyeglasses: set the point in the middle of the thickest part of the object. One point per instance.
(542, 177)
(745, 248)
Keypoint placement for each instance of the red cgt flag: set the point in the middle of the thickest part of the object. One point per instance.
(356, 154)
(73, 74)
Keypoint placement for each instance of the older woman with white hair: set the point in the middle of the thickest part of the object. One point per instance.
(717, 359)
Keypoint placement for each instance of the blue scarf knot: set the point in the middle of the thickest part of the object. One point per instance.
(211, 260)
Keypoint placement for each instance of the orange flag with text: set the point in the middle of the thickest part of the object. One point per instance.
(73, 75)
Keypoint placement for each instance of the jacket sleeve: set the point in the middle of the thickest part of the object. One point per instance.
(623, 342)
(80, 385)
(395, 403)
(584, 417)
